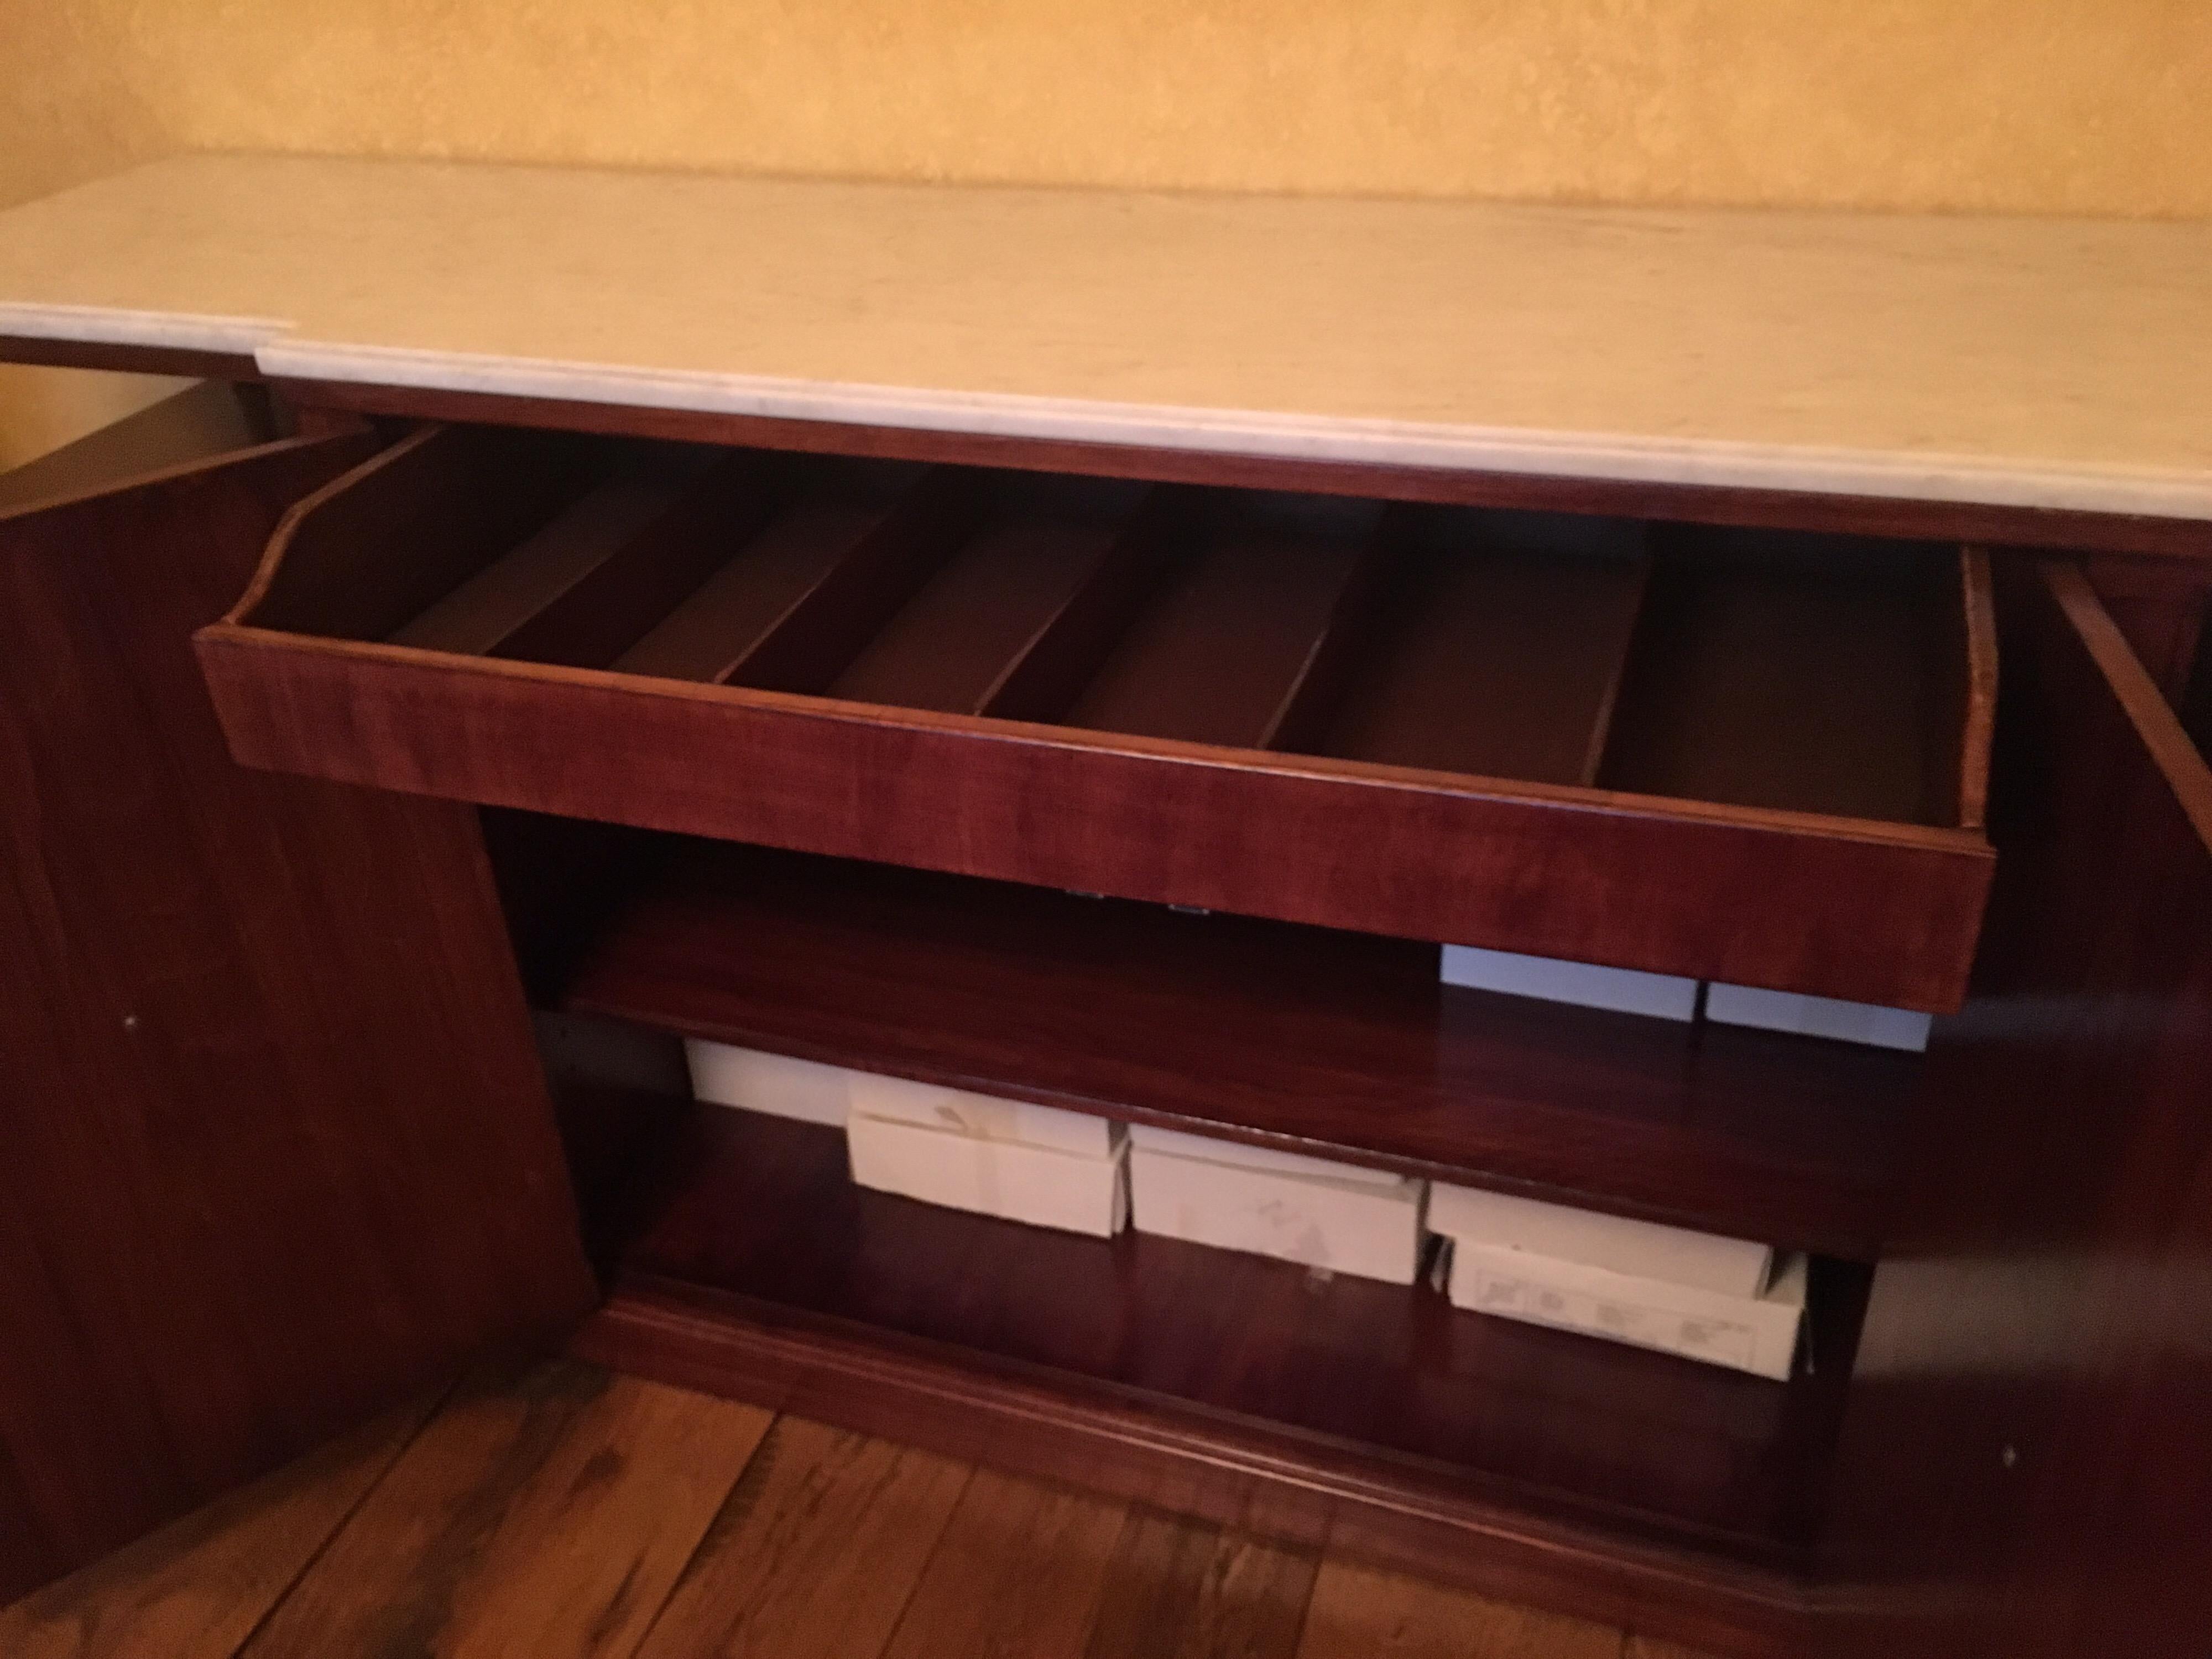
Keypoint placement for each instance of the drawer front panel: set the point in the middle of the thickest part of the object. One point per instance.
(1751, 898)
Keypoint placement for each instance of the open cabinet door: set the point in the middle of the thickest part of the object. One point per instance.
(2027, 1468)
(274, 1142)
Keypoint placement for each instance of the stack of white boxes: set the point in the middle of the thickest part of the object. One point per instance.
(968, 1151)
(1726, 1301)
(1002, 1158)
(1669, 996)
(1333, 1217)
(774, 1084)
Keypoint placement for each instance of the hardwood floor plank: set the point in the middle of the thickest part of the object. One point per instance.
(1359, 1612)
(815, 1553)
(196, 1589)
(546, 1516)
(1018, 1575)
(1180, 1589)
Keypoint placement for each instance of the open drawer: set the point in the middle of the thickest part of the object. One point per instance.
(1755, 758)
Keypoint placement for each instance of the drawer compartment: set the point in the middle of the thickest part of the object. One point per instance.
(1756, 759)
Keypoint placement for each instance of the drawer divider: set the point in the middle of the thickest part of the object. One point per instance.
(587, 586)
(827, 626)
(368, 553)
(1050, 670)
(1600, 735)
(1347, 635)
(645, 577)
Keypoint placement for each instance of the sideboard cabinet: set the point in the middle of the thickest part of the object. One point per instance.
(412, 739)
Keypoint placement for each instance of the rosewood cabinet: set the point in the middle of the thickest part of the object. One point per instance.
(387, 803)
(276, 1149)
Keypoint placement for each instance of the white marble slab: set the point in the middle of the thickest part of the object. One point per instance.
(2061, 363)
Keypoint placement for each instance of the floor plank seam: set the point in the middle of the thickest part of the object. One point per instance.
(677, 1584)
(436, 1410)
(906, 1606)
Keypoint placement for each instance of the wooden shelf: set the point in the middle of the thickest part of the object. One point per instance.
(1293, 1037)
(754, 1221)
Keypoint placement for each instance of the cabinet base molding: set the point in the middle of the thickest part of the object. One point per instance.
(1306, 1493)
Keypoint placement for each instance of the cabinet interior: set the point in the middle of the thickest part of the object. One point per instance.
(1312, 1039)
(1802, 673)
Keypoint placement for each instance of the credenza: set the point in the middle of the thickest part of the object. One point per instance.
(1094, 649)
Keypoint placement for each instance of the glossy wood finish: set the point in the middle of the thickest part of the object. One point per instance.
(469, 1544)
(1205, 1466)
(2197, 707)
(1794, 737)
(603, 569)
(199, 1587)
(1221, 651)
(455, 501)
(2160, 607)
(2057, 1181)
(1178, 1590)
(235, 368)
(1796, 674)
(2024, 1469)
(1539, 624)
(1357, 1612)
(821, 1548)
(991, 607)
(278, 1148)
(1299, 1038)
(815, 1551)
(760, 1215)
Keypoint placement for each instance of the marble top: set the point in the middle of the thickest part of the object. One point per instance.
(2036, 362)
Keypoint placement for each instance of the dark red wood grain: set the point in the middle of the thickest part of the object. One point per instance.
(1372, 1419)
(1769, 739)
(2027, 1464)
(2160, 605)
(277, 1147)
(238, 367)
(1193, 1462)
(1302, 1038)
(1880, 913)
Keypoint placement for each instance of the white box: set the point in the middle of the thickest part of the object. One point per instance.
(957, 1111)
(1365, 1227)
(1757, 1334)
(1643, 1249)
(774, 1084)
(1624, 990)
(1826, 1017)
(993, 1177)
(1215, 1149)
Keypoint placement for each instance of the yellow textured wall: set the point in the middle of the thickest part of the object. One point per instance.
(2101, 106)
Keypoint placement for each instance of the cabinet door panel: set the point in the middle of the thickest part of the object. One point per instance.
(274, 1143)
(2029, 1463)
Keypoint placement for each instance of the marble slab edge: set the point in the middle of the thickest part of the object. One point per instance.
(2025, 483)
(1970, 480)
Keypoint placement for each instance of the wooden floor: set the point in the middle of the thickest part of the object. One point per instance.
(569, 1514)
